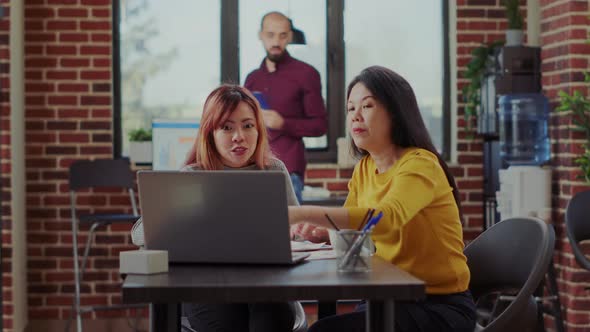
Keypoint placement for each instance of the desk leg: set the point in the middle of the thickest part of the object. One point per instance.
(326, 308)
(380, 316)
(165, 317)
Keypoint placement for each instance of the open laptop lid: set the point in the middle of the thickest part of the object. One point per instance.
(216, 217)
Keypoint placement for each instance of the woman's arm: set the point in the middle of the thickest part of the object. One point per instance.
(310, 222)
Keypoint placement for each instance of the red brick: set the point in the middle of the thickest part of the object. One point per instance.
(62, 75)
(95, 25)
(39, 87)
(101, 113)
(62, 2)
(72, 87)
(72, 113)
(39, 12)
(75, 62)
(43, 313)
(95, 125)
(337, 186)
(60, 50)
(321, 173)
(73, 12)
(62, 25)
(41, 62)
(469, 184)
(95, 75)
(62, 100)
(40, 138)
(40, 37)
(95, 100)
(74, 138)
(96, 2)
(61, 150)
(95, 50)
(73, 37)
(93, 150)
(101, 12)
(101, 62)
(31, 25)
(101, 37)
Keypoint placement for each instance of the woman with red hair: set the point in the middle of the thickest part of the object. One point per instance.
(232, 136)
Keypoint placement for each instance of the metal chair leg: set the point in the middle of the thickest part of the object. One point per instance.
(76, 266)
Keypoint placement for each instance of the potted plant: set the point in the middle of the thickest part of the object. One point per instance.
(579, 105)
(140, 145)
(482, 61)
(514, 34)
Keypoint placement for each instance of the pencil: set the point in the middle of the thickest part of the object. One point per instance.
(366, 219)
(331, 222)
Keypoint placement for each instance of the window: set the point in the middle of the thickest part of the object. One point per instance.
(170, 55)
(308, 16)
(393, 37)
(166, 69)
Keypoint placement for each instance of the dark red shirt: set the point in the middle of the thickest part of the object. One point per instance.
(294, 90)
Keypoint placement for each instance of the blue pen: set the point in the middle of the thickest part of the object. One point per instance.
(373, 221)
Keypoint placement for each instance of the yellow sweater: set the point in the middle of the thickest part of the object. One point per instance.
(420, 231)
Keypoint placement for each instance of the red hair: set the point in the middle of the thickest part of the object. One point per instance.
(219, 105)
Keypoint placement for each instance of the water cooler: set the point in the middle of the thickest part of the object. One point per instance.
(523, 114)
(525, 186)
(521, 154)
(513, 123)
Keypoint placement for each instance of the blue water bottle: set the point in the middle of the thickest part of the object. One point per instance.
(524, 137)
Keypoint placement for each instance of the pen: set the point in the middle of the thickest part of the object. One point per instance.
(366, 219)
(356, 246)
(332, 222)
(338, 230)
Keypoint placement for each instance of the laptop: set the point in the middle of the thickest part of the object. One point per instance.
(217, 217)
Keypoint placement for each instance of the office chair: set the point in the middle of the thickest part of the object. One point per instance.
(85, 175)
(511, 257)
(577, 225)
(300, 324)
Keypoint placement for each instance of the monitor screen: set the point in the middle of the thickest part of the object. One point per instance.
(172, 140)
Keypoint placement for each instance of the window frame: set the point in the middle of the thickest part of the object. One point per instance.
(336, 85)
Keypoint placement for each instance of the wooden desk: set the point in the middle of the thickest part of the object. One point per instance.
(312, 280)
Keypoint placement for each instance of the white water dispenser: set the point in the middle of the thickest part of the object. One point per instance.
(525, 191)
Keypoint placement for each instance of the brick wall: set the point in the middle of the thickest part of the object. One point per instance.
(69, 116)
(565, 54)
(6, 215)
(478, 21)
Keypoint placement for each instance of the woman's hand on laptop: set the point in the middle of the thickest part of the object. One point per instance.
(310, 232)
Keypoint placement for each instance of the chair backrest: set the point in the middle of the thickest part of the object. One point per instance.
(577, 225)
(511, 257)
(101, 173)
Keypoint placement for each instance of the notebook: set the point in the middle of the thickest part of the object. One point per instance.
(217, 217)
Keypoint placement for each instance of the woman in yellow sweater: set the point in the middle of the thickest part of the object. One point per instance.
(401, 175)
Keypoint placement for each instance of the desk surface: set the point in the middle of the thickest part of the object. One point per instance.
(311, 280)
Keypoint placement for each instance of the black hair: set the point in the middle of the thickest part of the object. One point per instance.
(397, 96)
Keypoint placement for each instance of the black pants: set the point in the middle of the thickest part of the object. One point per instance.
(258, 317)
(454, 312)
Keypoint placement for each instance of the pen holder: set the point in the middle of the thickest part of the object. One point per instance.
(353, 253)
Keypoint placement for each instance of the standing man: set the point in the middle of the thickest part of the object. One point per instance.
(293, 92)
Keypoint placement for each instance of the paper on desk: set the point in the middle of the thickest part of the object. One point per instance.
(321, 254)
(309, 246)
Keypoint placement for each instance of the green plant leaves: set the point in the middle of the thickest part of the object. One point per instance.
(140, 135)
(482, 58)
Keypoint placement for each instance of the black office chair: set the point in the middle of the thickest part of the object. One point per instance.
(577, 225)
(88, 175)
(300, 324)
(511, 257)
